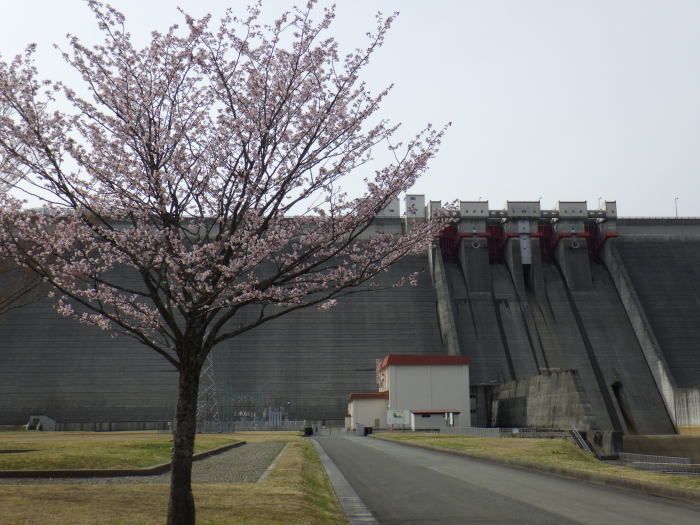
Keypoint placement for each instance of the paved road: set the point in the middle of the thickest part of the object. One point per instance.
(406, 485)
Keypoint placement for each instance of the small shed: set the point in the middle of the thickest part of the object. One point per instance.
(368, 409)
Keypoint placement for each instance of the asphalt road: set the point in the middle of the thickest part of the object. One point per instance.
(406, 485)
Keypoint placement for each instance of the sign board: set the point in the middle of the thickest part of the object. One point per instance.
(398, 418)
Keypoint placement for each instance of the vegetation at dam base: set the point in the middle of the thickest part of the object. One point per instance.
(296, 491)
(546, 452)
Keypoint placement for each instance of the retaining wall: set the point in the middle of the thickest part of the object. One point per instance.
(553, 400)
(674, 445)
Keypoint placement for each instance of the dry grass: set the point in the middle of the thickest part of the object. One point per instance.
(554, 452)
(79, 450)
(296, 492)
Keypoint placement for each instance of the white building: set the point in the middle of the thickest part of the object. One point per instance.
(367, 409)
(423, 391)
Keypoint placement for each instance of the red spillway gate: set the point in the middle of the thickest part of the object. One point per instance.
(450, 237)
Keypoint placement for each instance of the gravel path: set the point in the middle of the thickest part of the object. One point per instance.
(239, 465)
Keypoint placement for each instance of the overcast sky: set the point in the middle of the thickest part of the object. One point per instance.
(563, 100)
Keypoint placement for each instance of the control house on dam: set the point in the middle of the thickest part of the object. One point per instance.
(570, 317)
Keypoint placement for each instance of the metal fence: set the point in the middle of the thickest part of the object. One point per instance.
(646, 458)
(505, 432)
(214, 427)
(112, 426)
(666, 464)
(473, 431)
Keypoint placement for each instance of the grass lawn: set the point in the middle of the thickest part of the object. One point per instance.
(79, 450)
(296, 492)
(554, 452)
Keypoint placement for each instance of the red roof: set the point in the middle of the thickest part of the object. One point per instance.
(368, 395)
(436, 411)
(409, 359)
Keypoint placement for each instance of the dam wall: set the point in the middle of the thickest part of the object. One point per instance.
(529, 295)
(654, 266)
(568, 316)
(554, 294)
(304, 363)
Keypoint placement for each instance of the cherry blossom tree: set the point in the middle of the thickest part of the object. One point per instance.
(207, 166)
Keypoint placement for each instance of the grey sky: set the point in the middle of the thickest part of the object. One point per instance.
(564, 100)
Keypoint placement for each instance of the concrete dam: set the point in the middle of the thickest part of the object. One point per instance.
(571, 317)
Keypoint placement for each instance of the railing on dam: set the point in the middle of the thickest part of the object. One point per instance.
(580, 441)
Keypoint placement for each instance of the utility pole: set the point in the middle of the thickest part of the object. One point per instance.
(676, 203)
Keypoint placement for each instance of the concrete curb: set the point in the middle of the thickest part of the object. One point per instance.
(354, 508)
(111, 473)
(272, 465)
(676, 493)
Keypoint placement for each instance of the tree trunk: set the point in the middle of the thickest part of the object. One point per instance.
(181, 506)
